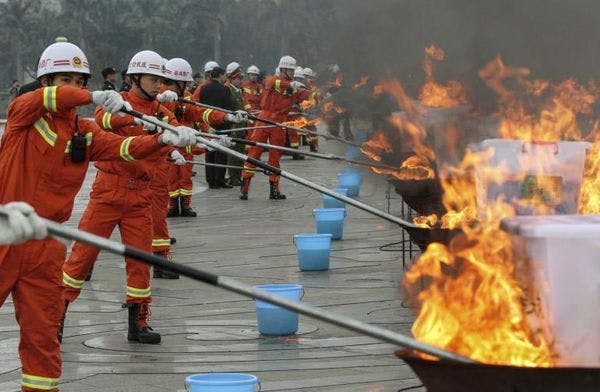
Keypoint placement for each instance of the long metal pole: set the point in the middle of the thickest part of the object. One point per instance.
(234, 285)
(271, 122)
(302, 152)
(279, 171)
(225, 166)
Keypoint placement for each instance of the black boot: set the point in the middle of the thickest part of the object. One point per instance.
(160, 273)
(274, 191)
(61, 327)
(173, 240)
(186, 207)
(173, 207)
(245, 188)
(139, 330)
(89, 275)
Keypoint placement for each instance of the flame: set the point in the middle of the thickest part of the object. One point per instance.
(361, 82)
(308, 104)
(470, 301)
(434, 94)
(302, 122)
(331, 107)
(589, 202)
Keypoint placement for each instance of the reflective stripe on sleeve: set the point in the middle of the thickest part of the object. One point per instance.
(124, 149)
(49, 95)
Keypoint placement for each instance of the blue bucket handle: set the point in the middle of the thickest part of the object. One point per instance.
(185, 384)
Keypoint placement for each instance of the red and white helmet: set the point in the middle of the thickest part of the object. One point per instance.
(309, 73)
(287, 62)
(232, 68)
(62, 57)
(253, 69)
(146, 62)
(179, 69)
(210, 65)
(299, 73)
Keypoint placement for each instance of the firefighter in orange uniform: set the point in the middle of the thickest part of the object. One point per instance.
(44, 156)
(292, 136)
(121, 196)
(178, 73)
(252, 92)
(280, 94)
(208, 67)
(317, 96)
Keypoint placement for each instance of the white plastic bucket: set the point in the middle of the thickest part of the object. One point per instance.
(549, 171)
(562, 279)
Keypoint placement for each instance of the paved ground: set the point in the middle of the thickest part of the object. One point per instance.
(210, 330)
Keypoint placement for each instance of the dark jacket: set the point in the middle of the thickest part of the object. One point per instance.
(216, 94)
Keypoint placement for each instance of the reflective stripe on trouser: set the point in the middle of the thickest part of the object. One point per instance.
(274, 136)
(160, 206)
(109, 207)
(180, 179)
(32, 272)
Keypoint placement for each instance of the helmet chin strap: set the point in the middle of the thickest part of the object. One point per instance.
(136, 80)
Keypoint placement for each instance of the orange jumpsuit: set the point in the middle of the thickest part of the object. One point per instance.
(317, 96)
(35, 167)
(252, 93)
(276, 102)
(195, 117)
(121, 196)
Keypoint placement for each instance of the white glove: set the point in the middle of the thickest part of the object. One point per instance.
(185, 137)
(225, 141)
(21, 225)
(110, 100)
(237, 117)
(296, 85)
(177, 158)
(167, 96)
(147, 125)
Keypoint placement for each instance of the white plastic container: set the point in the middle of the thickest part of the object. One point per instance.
(561, 276)
(549, 172)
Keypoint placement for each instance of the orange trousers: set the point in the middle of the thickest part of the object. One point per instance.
(274, 136)
(114, 201)
(161, 240)
(180, 178)
(32, 273)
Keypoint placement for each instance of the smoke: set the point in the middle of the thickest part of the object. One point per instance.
(556, 39)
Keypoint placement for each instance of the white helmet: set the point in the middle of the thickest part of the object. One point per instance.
(209, 66)
(232, 67)
(146, 62)
(309, 72)
(179, 69)
(287, 62)
(299, 72)
(62, 57)
(253, 69)
(277, 71)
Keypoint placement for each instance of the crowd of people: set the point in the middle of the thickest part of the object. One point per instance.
(143, 176)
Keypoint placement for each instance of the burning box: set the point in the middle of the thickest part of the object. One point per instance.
(534, 177)
(558, 265)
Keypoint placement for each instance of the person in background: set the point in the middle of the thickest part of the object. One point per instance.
(14, 89)
(110, 78)
(126, 82)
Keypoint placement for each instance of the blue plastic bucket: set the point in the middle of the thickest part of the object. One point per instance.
(221, 382)
(313, 251)
(351, 180)
(330, 202)
(353, 152)
(330, 221)
(274, 320)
